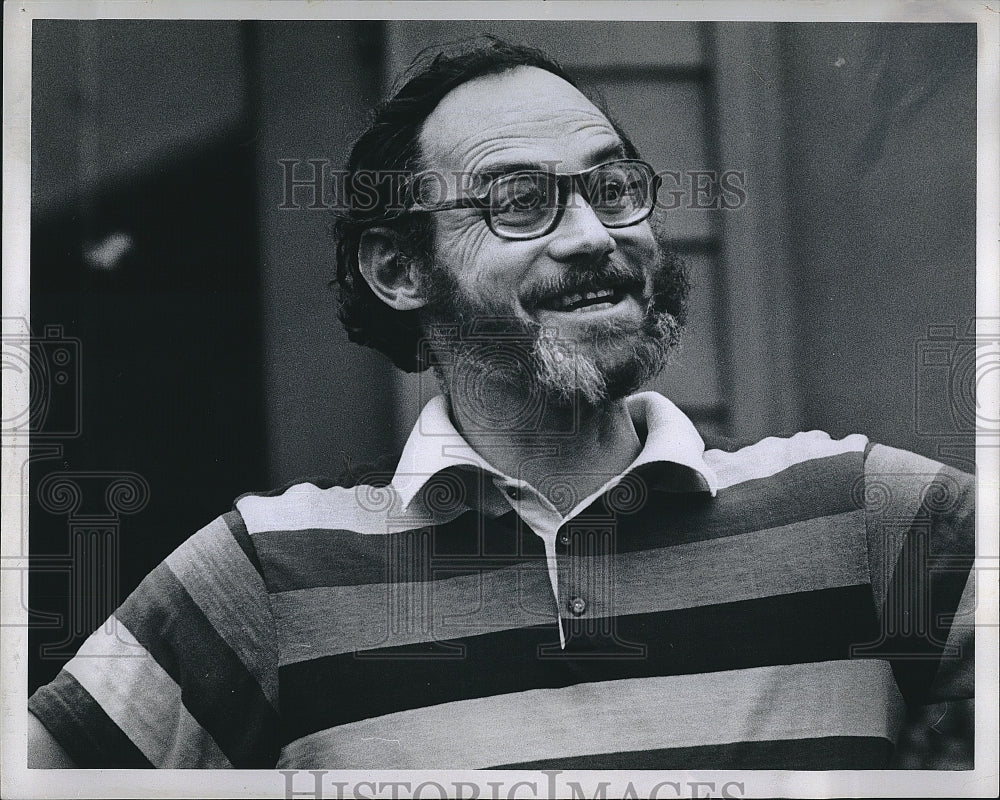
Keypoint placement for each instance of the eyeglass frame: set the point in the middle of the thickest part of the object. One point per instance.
(482, 201)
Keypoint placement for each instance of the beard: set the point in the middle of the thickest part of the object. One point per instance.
(483, 342)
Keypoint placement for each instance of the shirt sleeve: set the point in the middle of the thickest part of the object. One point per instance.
(920, 525)
(183, 674)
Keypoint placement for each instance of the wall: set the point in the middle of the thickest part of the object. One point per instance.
(881, 141)
(327, 400)
(119, 98)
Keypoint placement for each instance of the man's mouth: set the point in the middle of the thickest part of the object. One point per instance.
(601, 293)
(579, 302)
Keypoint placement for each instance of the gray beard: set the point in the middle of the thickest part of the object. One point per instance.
(482, 343)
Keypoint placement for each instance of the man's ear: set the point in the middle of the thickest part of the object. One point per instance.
(390, 275)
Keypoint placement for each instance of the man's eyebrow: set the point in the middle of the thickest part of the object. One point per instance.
(501, 168)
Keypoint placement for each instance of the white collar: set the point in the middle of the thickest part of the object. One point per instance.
(435, 444)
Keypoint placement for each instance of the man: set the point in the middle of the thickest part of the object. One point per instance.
(558, 572)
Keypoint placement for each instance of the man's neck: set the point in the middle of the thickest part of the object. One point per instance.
(549, 445)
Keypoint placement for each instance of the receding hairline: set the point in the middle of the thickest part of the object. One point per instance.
(501, 75)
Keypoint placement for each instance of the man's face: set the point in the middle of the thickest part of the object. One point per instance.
(529, 118)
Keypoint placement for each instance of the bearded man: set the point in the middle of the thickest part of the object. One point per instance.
(558, 572)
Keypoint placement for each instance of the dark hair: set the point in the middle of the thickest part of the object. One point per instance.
(390, 148)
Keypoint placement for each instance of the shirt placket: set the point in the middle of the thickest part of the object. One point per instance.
(586, 546)
(544, 521)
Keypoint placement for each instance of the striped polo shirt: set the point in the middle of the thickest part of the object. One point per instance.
(771, 606)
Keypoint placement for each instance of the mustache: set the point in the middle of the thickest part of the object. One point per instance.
(608, 274)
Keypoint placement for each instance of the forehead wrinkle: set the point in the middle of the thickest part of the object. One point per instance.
(501, 117)
(510, 124)
(470, 152)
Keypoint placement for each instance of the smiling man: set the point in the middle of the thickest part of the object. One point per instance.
(558, 572)
(582, 300)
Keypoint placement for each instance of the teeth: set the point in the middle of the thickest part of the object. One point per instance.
(571, 299)
(568, 300)
(596, 307)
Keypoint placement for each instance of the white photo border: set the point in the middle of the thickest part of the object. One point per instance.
(17, 781)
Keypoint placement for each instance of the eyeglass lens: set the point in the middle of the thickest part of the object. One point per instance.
(525, 204)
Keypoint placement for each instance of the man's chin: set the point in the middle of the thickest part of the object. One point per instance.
(630, 359)
(596, 358)
(627, 378)
(602, 369)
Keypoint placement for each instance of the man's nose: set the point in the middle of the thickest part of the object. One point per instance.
(580, 232)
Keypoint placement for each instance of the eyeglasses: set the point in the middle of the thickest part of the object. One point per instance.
(529, 204)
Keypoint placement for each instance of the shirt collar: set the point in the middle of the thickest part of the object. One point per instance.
(670, 437)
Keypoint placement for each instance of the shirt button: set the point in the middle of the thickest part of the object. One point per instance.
(577, 605)
(513, 492)
(564, 538)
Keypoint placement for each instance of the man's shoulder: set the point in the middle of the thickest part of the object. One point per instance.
(852, 461)
(354, 500)
(739, 460)
(801, 443)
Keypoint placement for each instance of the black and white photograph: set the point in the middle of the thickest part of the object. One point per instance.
(500, 400)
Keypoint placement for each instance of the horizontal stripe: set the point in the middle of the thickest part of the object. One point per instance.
(915, 632)
(806, 491)
(363, 508)
(218, 689)
(838, 698)
(231, 594)
(775, 454)
(237, 527)
(787, 629)
(304, 559)
(83, 729)
(305, 506)
(342, 619)
(143, 700)
(751, 504)
(817, 554)
(824, 753)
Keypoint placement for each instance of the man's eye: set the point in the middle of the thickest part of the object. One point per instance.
(518, 193)
(611, 189)
(615, 191)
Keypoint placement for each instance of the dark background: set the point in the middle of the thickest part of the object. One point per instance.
(205, 355)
